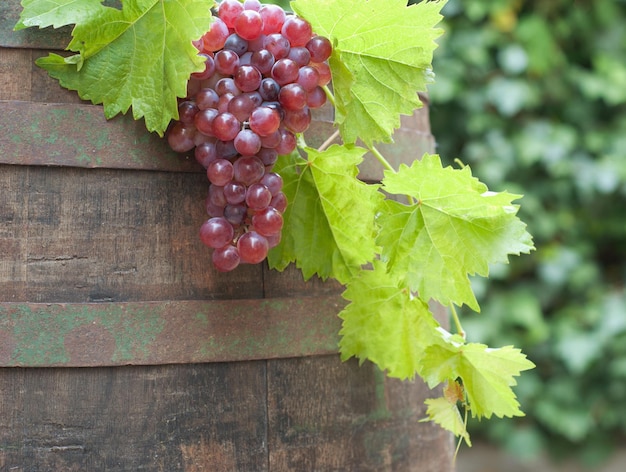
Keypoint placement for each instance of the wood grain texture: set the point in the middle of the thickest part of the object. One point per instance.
(357, 420)
(161, 418)
(314, 414)
(78, 235)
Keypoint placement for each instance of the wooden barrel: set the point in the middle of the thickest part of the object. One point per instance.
(122, 349)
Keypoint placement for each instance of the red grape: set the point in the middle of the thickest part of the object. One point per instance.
(216, 195)
(263, 60)
(205, 153)
(241, 106)
(297, 121)
(324, 71)
(226, 61)
(214, 39)
(271, 140)
(308, 77)
(228, 11)
(248, 170)
(268, 156)
(209, 68)
(316, 97)
(237, 44)
(273, 18)
(292, 97)
(220, 172)
(268, 221)
(299, 55)
(180, 137)
(279, 201)
(226, 85)
(249, 24)
(225, 149)
(186, 111)
(269, 89)
(225, 258)
(264, 121)
(285, 71)
(247, 142)
(320, 48)
(252, 247)
(224, 101)
(226, 126)
(273, 240)
(258, 196)
(235, 214)
(247, 78)
(297, 30)
(206, 98)
(287, 142)
(203, 120)
(252, 5)
(234, 192)
(216, 232)
(277, 44)
(273, 182)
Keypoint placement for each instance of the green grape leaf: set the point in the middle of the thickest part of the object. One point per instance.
(385, 324)
(56, 13)
(382, 57)
(139, 57)
(487, 373)
(329, 225)
(455, 228)
(447, 415)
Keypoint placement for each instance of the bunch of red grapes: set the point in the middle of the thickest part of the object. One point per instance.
(264, 72)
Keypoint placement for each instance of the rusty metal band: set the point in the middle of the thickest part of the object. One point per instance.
(168, 332)
(76, 135)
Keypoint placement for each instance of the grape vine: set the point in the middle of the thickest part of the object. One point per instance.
(235, 82)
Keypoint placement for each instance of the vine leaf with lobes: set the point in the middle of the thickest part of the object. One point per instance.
(330, 218)
(43, 13)
(378, 65)
(456, 228)
(140, 56)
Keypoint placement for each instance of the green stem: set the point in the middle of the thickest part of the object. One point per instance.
(458, 445)
(457, 321)
(377, 154)
(300, 141)
(330, 96)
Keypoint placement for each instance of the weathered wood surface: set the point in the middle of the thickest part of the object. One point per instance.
(100, 264)
(308, 414)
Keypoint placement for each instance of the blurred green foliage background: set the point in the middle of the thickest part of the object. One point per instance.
(531, 94)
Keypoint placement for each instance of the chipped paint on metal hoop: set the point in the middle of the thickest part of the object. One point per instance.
(168, 332)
